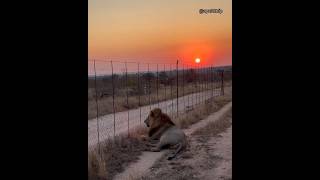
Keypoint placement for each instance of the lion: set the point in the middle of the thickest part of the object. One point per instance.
(163, 129)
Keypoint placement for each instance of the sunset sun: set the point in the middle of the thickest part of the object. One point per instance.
(197, 60)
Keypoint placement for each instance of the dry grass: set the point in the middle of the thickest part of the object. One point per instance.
(115, 155)
(164, 93)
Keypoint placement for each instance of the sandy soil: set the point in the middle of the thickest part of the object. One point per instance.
(208, 156)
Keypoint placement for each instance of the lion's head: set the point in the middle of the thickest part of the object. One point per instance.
(157, 119)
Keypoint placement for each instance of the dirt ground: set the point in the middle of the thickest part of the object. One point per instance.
(208, 157)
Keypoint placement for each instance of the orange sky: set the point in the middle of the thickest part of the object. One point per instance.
(160, 31)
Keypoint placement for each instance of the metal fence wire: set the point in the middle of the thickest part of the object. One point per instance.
(121, 94)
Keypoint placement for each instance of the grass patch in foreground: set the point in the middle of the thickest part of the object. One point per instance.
(116, 155)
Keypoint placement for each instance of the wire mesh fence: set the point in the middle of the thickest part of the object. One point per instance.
(121, 94)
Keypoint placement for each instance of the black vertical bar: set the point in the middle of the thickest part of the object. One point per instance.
(127, 94)
(177, 88)
(97, 105)
(114, 112)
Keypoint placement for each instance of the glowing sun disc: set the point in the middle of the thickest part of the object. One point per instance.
(197, 60)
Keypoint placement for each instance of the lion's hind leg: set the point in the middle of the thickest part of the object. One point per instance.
(180, 146)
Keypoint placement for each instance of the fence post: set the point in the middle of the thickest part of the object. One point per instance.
(214, 82)
(165, 88)
(211, 82)
(208, 80)
(177, 88)
(171, 94)
(184, 102)
(187, 87)
(97, 105)
(157, 85)
(202, 83)
(127, 94)
(139, 90)
(194, 81)
(199, 82)
(149, 84)
(114, 112)
(201, 87)
(207, 83)
(222, 83)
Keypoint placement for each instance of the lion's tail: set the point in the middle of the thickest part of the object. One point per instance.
(181, 146)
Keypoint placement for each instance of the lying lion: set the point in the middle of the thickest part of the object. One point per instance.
(163, 129)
